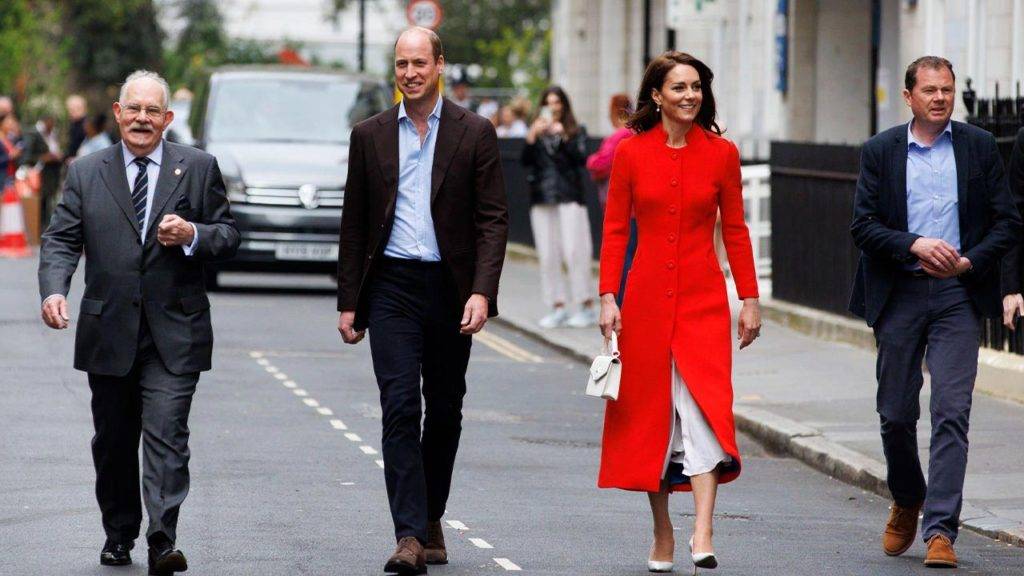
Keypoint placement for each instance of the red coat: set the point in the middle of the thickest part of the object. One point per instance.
(675, 304)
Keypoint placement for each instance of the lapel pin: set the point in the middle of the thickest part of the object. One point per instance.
(177, 171)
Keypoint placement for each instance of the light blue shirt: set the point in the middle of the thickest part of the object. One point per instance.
(932, 188)
(412, 236)
(152, 173)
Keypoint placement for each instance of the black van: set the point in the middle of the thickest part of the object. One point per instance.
(280, 135)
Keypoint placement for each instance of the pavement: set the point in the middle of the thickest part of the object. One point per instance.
(814, 399)
(285, 469)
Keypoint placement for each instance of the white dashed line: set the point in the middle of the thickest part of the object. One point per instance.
(508, 564)
(480, 543)
(310, 402)
(457, 525)
(348, 483)
(263, 362)
(353, 437)
(380, 463)
(338, 424)
(368, 450)
(272, 369)
(255, 354)
(325, 411)
(300, 392)
(281, 376)
(289, 384)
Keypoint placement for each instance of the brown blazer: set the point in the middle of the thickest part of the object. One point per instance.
(468, 205)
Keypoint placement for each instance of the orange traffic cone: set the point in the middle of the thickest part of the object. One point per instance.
(13, 243)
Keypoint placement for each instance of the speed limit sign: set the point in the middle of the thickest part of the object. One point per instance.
(426, 13)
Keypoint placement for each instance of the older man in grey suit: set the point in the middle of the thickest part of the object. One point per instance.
(147, 214)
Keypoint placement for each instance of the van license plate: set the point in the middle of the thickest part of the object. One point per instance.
(312, 252)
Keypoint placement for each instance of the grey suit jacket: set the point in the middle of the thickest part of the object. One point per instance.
(125, 274)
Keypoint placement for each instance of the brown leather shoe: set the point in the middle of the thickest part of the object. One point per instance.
(408, 558)
(940, 553)
(435, 550)
(900, 529)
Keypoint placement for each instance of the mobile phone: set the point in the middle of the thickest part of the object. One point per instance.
(546, 114)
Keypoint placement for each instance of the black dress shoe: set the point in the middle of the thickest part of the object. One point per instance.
(165, 560)
(116, 553)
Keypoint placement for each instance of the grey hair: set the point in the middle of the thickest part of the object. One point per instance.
(145, 74)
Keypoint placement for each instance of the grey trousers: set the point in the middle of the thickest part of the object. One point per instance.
(152, 403)
(934, 320)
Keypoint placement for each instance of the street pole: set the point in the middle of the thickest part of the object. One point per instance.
(362, 35)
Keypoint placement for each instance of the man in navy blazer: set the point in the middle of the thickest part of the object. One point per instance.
(933, 216)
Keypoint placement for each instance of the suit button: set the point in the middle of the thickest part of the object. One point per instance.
(670, 293)
(671, 265)
(674, 182)
(671, 238)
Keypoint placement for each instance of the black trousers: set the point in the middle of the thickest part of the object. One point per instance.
(414, 335)
(151, 403)
(936, 321)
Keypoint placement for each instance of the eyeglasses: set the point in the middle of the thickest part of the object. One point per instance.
(134, 110)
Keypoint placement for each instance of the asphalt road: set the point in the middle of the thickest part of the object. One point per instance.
(286, 478)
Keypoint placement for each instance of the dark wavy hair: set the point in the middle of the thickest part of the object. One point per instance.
(568, 119)
(647, 115)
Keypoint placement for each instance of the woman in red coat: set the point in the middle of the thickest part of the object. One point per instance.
(671, 428)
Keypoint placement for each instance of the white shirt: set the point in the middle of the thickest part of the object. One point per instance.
(152, 173)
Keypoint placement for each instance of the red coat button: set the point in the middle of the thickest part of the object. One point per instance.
(670, 265)
(670, 293)
(675, 156)
(671, 238)
(672, 209)
(675, 182)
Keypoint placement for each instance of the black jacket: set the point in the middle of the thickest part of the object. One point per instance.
(1013, 263)
(555, 169)
(989, 224)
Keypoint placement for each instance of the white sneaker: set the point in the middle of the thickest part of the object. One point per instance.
(555, 319)
(584, 318)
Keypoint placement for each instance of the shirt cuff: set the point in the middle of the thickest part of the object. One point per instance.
(191, 248)
(47, 299)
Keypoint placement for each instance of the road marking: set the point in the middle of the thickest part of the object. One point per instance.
(353, 437)
(289, 384)
(255, 354)
(380, 463)
(263, 362)
(338, 424)
(507, 564)
(480, 543)
(310, 402)
(300, 392)
(368, 450)
(325, 411)
(348, 483)
(271, 369)
(507, 348)
(281, 376)
(457, 525)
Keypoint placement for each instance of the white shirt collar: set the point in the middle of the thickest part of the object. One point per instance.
(435, 113)
(156, 156)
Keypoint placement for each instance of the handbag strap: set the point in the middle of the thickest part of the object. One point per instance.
(614, 349)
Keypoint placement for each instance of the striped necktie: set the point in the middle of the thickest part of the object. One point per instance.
(141, 190)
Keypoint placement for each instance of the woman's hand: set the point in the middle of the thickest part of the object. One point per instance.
(540, 125)
(611, 318)
(749, 325)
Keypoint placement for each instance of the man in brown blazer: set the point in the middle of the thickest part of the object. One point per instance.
(423, 239)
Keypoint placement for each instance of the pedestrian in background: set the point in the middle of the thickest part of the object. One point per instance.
(599, 164)
(42, 152)
(933, 215)
(512, 119)
(461, 94)
(672, 428)
(144, 332)
(554, 155)
(96, 137)
(1013, 263)
(77, 112)
(422, 246)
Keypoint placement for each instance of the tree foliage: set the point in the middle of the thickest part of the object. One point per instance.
(33, 64)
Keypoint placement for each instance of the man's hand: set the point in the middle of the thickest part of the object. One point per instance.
(55, 312)
(963, 265)
(474, 315)
(936, 254)
(1013, 305)
(174, 231)
(345, 321)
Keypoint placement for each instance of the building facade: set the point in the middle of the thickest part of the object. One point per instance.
(827, 71)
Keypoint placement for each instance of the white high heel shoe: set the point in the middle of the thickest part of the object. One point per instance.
(702, 559)
(657, 565)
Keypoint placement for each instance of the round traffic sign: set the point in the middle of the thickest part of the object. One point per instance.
(426, 13)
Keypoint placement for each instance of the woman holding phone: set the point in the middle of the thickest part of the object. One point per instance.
(554, 156)
(672, 428)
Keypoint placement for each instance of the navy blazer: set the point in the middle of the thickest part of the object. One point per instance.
(989, 222)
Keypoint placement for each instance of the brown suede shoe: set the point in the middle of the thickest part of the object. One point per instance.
(900, 529)
(408, 558)
(435, 550)
(940, 553)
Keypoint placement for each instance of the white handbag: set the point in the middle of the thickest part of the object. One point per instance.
(606, 371)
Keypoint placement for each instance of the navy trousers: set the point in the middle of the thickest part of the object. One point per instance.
(934, 320)
(414, 335)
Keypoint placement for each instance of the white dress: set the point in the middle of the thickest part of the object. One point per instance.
(693, 444)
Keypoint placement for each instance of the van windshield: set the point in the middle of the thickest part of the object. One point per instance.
(290, 109)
